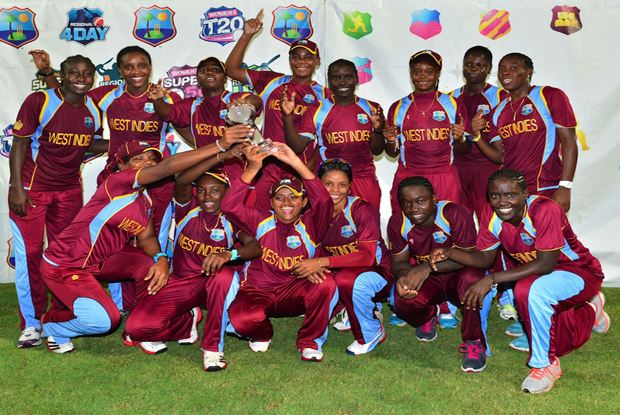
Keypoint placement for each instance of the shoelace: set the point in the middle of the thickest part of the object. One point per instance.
(540, 374)
(428, 327)
(473, 351)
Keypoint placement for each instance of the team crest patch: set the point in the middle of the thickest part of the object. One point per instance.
(217, 234)
(565, 19)
(440, 237)
(85, 26)
(88, 122)
(439, 115)
(357, 24)
(291, 23)
(293, 241)
(6, 140)
(154, 25)
(222, 25)
(527, 109)
(364, 70)
(17, 27)
(223, 114)
(527, 239)
(425, 23)
(148, 107)
(346, 231)
(484, 108)
(309, 98)
(362, 118)
(495, 24)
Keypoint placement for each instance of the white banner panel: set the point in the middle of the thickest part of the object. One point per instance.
(570, 48)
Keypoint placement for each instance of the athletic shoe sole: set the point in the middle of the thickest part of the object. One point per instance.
(372, 347)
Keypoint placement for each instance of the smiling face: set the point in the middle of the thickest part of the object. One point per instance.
(135, 69)
(78, 78)
(303, 63)
(149, 158)
(513, 74)
(209, 193)
(476, 68)
(211, 76)
(337, 184)
(424, 77)
(508, 200)
(418, 205)
(342, 80)
(287, 206)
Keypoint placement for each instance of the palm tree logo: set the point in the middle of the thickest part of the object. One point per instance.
(159, 27)
(17, 26)
(291, 23)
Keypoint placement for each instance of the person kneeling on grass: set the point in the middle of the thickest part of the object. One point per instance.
(287, 237)
(422, 225)
(94, 246)
(203, 269)
(557, 282)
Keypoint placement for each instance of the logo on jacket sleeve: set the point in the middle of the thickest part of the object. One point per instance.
(217, 234)
(17, 27)
(154, 25)
(439, 115)
(440, 237)
(293, 241)
(85, 26)
(527, 239)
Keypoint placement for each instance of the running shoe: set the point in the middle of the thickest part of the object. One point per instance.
(395, 321)
(541, 380)
(147, 347)
(31, 337)
(602, 321)
(62, 348)
(515, 330)
(448, 321)
(428, 331)
(521, 344)
(259, 347)
(357, 349)
(194, 335)
(213, 361)
(311, 355)
(474, 358)
(508, 312)
(344, 324)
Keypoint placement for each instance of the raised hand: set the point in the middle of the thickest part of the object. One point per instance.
(458, 130)
(287, 106)
(253, 26)
(378, 119)
(478, 124)
(41, 60)
(156, 91)
(236, 134)
(255, 156)
(390, 132)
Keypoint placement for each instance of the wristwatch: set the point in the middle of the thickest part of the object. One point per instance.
(566, 183)
(233, 252)
(161, 254)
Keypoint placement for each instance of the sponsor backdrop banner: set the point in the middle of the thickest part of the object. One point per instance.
(568, 43)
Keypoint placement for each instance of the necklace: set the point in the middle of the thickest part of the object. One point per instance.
(429, 107)
(514, 113)
(138, 96)
(204, 221)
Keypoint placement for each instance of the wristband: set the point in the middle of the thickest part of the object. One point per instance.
(494, 285)
(161, 254)
(219, 146)
(318, 260)
(566, 183)
(474, 139)
(217, 156)
(233, 252)
(45, 75)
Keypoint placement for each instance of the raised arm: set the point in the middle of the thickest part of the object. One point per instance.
(42, 61)
(234, 63)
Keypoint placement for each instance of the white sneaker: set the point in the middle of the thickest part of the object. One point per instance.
(31, 337)
(311, 355)
(194, 336)
(213, 361)
(147, 347)
(356, 348)
(259, 347)
(344, 324)
(508, 312)
(52, 346)
(602, 321)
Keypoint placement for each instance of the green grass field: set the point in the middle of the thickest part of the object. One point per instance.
(401, 376)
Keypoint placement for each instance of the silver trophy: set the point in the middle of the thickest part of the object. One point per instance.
(246, 114)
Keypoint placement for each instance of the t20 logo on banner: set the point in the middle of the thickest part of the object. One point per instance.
(154, 25)
(291, 23)
(85, 26)
(222, 25)
(17, 27)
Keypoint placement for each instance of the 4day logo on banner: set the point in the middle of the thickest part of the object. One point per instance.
(154, 25)
(565, 19)
(222, 25)
(85, 26)
(495, 24)
(425, 23)
(17, 27)
(357, 24)
(291, 23)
